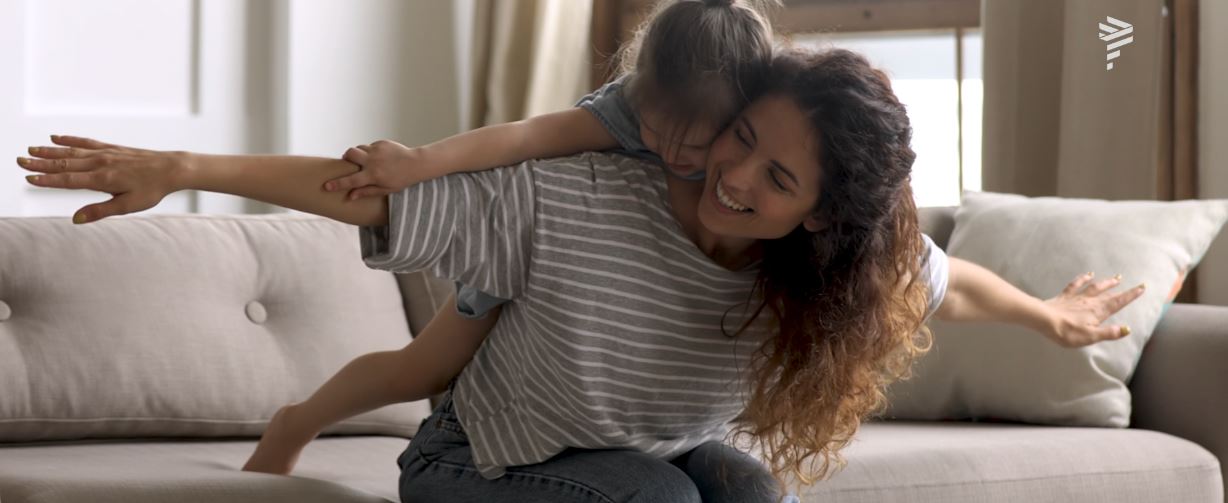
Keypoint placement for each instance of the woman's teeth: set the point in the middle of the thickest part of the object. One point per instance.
(727, 201)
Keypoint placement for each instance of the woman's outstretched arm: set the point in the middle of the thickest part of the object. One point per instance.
(139, 179)
(1073, 318)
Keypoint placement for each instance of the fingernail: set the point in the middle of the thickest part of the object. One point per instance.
(34, 150)
(328, 186)
(1125, 330)
(33, 178)
(1091, 274)
(1142, 286)
(22, 161)
(79, 218)
(1117, 277)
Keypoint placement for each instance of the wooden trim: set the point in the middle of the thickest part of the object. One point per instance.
(1181, 175)
(614, 21)
(810, 16)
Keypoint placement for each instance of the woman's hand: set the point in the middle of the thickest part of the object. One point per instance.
(386, 167)
(138, 179)
(1078, 312)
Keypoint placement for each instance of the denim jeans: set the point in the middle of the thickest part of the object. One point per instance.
(437, 467)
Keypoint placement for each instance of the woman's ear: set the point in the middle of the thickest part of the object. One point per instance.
(813, 224)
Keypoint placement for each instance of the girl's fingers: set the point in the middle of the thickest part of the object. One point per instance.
(59, 165)
(371, 191)
(355, 155)
(347, 182)
(1078, 283)
(364, 148)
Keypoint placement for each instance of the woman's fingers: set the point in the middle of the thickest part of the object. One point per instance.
(1078, 283)
(77, 141)
(61, 152)
(1123, 299)
(118, 205)
(92, 180)
(60, 165)
(1101, 286)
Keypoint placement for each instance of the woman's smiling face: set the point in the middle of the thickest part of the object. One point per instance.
(763, 173)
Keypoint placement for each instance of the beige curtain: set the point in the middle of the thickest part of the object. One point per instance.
(1059, 123)
(529, 57)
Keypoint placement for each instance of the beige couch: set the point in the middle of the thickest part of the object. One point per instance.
(140, 357)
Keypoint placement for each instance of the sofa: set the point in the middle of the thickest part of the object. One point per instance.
(141, 356)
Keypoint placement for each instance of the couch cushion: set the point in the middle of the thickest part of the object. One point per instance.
(990, 370)
(895, 461)
(330, 470)
(185, 325)
(953, 462)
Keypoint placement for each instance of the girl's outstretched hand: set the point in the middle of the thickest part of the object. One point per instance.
(137, 178)
(1083, 306)
(385, 167)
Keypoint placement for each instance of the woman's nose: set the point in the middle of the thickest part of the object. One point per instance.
(738, 175)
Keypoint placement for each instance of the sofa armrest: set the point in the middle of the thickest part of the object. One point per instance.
(1180, 386)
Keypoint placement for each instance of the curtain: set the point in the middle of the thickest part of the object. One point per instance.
(529, 57)
(1059, 122)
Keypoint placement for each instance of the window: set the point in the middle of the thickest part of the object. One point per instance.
(944, 105)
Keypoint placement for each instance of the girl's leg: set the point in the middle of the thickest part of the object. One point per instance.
(724, 474)
(438, 467)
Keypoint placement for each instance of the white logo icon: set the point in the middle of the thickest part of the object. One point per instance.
(1111, 35)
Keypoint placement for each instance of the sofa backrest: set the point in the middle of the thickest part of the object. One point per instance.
(185, 325)
(937, 223)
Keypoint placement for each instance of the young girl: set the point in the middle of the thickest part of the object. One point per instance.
(687, 73)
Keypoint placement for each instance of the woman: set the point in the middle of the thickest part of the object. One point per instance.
(784, 290)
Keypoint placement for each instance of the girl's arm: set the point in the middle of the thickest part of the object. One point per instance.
(555, 134)
(419, 370)
(389, 166)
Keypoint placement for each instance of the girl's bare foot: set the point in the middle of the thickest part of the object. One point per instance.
(281, 444)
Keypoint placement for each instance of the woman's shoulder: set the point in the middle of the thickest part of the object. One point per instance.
(602, 180)
(595, 170)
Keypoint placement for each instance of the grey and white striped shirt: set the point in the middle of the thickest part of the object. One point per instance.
(613, 337)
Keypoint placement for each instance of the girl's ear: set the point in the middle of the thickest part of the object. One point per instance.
(813, 224)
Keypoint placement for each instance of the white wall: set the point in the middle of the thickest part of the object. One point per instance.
(1213, 140)
(309, 77)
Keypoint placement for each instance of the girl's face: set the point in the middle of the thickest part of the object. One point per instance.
(686, 156)
(763, 173)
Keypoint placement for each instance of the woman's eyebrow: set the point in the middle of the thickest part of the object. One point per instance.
(777, 164)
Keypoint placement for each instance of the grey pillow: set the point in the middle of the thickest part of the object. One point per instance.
(1005, 372)
(185, 325)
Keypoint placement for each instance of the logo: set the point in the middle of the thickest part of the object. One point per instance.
(1112, 34)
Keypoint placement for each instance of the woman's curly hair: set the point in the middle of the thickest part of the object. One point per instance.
(847, 300)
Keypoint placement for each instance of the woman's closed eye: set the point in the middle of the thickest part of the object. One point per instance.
(776, 180)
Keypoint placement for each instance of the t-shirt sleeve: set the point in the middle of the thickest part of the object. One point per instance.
(936, 267)
(473, 303)
(609, 104)
(473, 228)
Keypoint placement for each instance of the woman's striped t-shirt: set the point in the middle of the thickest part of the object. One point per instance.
(613, 337)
